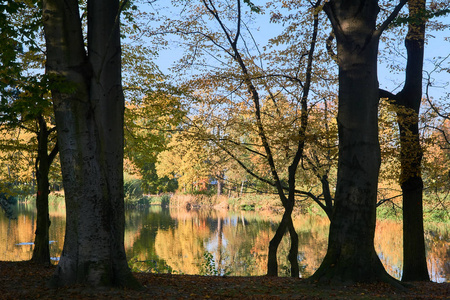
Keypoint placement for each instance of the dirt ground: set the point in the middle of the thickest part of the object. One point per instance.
(23, 280)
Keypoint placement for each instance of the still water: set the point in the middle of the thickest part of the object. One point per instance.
(210, 242)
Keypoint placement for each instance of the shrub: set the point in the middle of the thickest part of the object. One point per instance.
(151, 266)
(29, 199)
(56, 199)
(132, 190)
(165, 200)
(144, 201)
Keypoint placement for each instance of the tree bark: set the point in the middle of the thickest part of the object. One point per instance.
(351, 255)
(89, 105)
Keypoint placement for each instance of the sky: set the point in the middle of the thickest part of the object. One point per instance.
(437, 46)
(390, 80)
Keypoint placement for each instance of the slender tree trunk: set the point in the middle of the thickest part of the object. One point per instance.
(272, 262)
(293, 250)
(41, 251)
(241, 190)
(286, 224)
(220, 267)
(289, 201)
(407, 103)
(220, 184)
(414, 258)
(89, 105)
(351, 255)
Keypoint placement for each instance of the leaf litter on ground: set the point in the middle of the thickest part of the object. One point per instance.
(25, 280)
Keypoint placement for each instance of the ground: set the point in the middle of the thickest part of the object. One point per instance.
(24, 280)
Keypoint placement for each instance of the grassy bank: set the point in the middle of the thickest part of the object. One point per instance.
(258, 202)
(146, 200)
(247, 202)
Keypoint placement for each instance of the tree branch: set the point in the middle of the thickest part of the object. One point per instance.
(53, 154)
(387, 94)
(246, 148)
(389, 19)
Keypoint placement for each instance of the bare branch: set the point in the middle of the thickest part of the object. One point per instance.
(389, 19)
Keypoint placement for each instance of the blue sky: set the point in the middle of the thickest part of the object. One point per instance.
(438, 46)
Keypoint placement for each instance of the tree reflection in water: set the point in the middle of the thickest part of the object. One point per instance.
(219, 242)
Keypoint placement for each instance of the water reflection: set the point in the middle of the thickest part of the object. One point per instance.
(17, 235)
(220, 242)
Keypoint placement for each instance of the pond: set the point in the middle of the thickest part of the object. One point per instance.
(210, 242)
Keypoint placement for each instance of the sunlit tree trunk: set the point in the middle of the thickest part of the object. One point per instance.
(351, 253)
(89, 105)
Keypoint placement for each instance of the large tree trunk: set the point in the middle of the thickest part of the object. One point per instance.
(351, 255)
(88, 103)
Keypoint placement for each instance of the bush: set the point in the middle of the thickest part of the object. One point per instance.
(7, 204)
(208, 193)
(437, 215)
(165, 200)
(150, 266)
(144, 201)
(390, 212)
(31, 198)
(254, 202)
(11, 200)
(132, 190)
(56, 199)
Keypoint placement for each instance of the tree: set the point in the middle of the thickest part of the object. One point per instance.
(25, 106)
(88, 104)
(152, 113)
(30, 112)
(255, 116)
(351, 254)
(408, 102)
(16, 160)
(153, 108)
(186, 161)
(44, 159)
